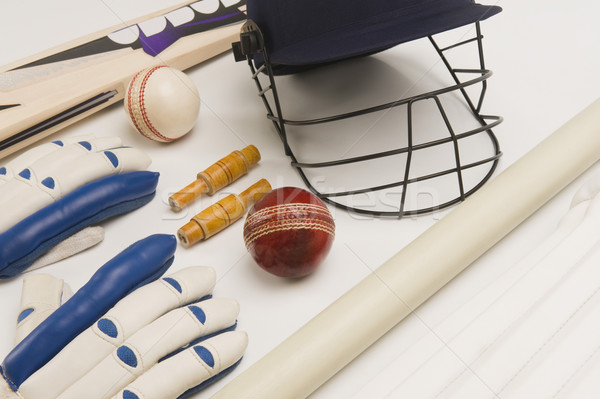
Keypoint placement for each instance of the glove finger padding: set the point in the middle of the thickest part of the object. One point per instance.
(51, 177)
(137, 265)
(139, 353)
(28, 194)
(12, 168)
(66, 179)
(129, 315)
(190, 370)
(41, 295)
(122, 334)
(33, 236)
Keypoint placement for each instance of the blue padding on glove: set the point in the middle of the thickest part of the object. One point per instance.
(24, 314)
(129, 395)
(26, 241)
(126, 355)
(142, 262)
(108, 327)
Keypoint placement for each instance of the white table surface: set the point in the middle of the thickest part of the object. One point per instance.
(545, 56)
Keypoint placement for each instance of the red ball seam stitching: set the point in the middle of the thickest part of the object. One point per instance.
(285, 225)
(285, 209)
(143, 105)
(133, 85)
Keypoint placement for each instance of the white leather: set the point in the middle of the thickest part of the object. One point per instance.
(67, 154)
(27, 199)
(70, 167)
(6, 392)
(133, 312)
(93, 166)
(176, 375)
(52, 163)
(165, 335)
(42, 293)
(27, 158)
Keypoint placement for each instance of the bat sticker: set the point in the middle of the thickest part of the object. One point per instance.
(153, 44)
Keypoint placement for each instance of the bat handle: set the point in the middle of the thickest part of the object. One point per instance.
(218, 175)
(221, 214)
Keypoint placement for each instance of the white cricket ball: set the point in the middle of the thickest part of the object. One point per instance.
(162, 103)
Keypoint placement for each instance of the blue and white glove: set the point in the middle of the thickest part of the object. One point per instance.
(51, 194)
(112, 339)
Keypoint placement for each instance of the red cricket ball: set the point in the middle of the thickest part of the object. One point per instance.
(289, 232)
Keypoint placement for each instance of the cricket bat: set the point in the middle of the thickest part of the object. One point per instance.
(46, 92)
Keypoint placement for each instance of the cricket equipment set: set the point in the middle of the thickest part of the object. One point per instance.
(282, 38)
(130, 333)
(37, 94)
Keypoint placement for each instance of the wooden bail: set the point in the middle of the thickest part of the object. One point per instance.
(215, 177)
(221, 214)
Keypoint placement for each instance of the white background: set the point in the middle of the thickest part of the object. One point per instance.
(545, 56)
